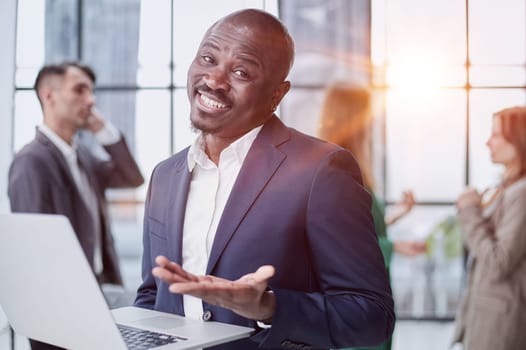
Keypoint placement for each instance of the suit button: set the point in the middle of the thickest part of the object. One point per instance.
(207, 315)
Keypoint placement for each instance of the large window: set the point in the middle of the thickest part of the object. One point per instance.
(442, 69)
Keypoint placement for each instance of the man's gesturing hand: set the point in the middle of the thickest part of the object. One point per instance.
(248, 296)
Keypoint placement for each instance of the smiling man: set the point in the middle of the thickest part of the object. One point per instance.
(256, 224)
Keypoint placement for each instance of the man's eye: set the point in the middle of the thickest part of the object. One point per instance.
(241, 74)
(208, 59)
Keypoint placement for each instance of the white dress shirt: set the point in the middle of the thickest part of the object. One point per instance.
(209, 190)
(107, 135)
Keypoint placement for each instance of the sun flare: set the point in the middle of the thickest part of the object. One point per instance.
(417, 77)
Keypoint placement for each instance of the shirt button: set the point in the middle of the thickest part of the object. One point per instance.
(207, 315)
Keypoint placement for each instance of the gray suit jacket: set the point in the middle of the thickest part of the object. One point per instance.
(40, 182)
(492, 314)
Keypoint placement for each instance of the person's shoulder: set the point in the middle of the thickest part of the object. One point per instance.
(311, 147)
(516, 191)
(314, 143)
(30, 160)
(32, 151)
(288, 139)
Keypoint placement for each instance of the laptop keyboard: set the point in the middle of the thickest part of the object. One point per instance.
(139, 339)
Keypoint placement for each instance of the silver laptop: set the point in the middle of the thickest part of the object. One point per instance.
(49, 293)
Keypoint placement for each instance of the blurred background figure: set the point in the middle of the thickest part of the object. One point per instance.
(56, 174)
(493, 223)
(346, 120)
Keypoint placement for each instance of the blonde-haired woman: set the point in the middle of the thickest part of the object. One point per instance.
(346, 120)
(492, 314)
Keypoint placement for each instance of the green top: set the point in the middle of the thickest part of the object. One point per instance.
(378, 212)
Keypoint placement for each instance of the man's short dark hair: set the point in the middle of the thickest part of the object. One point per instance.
(60, 70)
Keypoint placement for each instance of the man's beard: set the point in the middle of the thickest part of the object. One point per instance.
(196, 127)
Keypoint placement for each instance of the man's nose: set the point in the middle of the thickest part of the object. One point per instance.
(90, 99)
(217, 79)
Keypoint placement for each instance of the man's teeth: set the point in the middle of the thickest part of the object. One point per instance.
(211, 103)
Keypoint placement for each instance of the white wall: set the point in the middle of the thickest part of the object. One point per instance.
(7, 71)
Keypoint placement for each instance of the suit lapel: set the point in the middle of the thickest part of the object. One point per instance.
(67, 177)
(59, 158)
(179, 185)
(259, 166)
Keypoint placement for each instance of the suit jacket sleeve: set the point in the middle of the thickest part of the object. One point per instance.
(353, 305)
(121, 170)
(147, 291)
(502, 247)
(28, 187)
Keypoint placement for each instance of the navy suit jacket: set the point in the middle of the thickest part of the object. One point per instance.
(298, 204)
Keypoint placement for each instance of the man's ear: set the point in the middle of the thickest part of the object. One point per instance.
(279, 93)
(46, 94)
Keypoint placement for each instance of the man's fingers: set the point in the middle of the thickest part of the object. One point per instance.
(198, 289)
(181, 288)
(264, 273)
(167, 275)
(174, 268)
(207, 285)
(161, 260)
(210, 294)
(177, 269)
(163, 274)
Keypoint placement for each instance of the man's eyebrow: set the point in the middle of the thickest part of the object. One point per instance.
(208, 44)
(249, 58)
(84, 85)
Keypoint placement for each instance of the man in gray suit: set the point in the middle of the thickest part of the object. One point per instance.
(56, 174)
